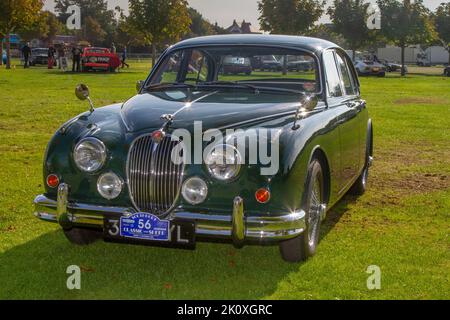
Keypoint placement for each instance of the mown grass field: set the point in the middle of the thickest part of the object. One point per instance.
(401, 224)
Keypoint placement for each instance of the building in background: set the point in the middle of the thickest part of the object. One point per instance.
(244, 28)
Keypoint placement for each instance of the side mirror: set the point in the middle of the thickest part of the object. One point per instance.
(139, 85)
(309, 102)
(82, 93)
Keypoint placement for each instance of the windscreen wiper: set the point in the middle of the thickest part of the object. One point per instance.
(169, 85)
(229, 84)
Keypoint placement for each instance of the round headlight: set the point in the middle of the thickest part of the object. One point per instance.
(109, 185)
(223, 162)
(194, 190)
(89, 154)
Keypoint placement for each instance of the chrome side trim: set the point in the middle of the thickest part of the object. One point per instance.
(237, 222)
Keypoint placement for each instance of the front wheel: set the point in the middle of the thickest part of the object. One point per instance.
(82, 237)
(305, 245)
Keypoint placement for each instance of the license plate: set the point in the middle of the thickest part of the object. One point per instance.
(376, 69)
(146, 228)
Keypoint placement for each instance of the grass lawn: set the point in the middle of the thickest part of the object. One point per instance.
(401, 224)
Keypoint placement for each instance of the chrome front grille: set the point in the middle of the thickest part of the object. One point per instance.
(154, 180)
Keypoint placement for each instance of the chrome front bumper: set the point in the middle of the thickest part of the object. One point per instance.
(236, 227)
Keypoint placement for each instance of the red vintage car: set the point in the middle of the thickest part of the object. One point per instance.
(94, 58)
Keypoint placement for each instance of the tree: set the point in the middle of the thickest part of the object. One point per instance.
(289, 16)
(94, 13)
(442, 25)
(159, 21)
(350, 20)
(324, 31)
(199, 25)
(15, 14)
(1, 48)
(405, 24)
(46, 27)
(93, 32)
(125, 35)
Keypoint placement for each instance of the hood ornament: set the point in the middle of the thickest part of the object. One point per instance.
(158, 135)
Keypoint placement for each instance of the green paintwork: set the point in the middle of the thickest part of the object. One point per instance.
(333, 128)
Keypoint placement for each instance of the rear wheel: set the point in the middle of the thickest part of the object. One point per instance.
(81, 236)
(305, 245)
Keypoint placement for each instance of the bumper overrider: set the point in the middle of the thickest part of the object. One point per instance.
(236, 227)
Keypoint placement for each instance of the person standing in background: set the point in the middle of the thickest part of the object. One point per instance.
(62, 63)
(26, 52)
(124, 58)
(51, 56)
(76, 58)
(113, 48)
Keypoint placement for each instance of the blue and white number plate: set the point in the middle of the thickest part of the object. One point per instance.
(145, 226)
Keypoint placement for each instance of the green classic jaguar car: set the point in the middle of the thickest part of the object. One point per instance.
(203, 155)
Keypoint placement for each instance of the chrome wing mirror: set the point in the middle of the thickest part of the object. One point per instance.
(82, 93)
(307, 104)
(139, 85)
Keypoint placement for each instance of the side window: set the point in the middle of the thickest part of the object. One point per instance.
(347, 80)
(197, 67)
(332, 75)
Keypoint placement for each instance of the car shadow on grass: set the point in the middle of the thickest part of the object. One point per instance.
(37, 269)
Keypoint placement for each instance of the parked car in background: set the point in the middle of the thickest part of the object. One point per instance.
(266, 63)
(392, 66)
(118, 172)
(237, 65)
(94, 58)
(39, 56)
(370, 68)
(297, 63)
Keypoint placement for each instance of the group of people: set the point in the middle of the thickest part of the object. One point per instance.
(59, 54)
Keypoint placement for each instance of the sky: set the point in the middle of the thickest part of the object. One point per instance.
(225, 11)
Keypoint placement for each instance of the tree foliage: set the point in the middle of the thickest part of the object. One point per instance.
(125, 35)
(94, 14)
(199, 25)
(406, 23)
(159, 21)
(289, 16)
(15, 14)
(349, 19)
(442, 25)
(46, 27)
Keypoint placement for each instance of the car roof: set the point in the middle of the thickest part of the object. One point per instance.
(306, 43)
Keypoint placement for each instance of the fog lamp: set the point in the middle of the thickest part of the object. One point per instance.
(109, 185)
(194, 190)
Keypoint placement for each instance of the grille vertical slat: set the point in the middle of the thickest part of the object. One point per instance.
(154, 181)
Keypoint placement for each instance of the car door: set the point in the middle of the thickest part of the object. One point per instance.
(350, 129)
(343, 104)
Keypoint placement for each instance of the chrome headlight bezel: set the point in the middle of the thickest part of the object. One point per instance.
(100, 149)
(212, 165)
(118, 184)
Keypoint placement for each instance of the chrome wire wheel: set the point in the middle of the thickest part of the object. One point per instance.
(304, 245)
(314, 210)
